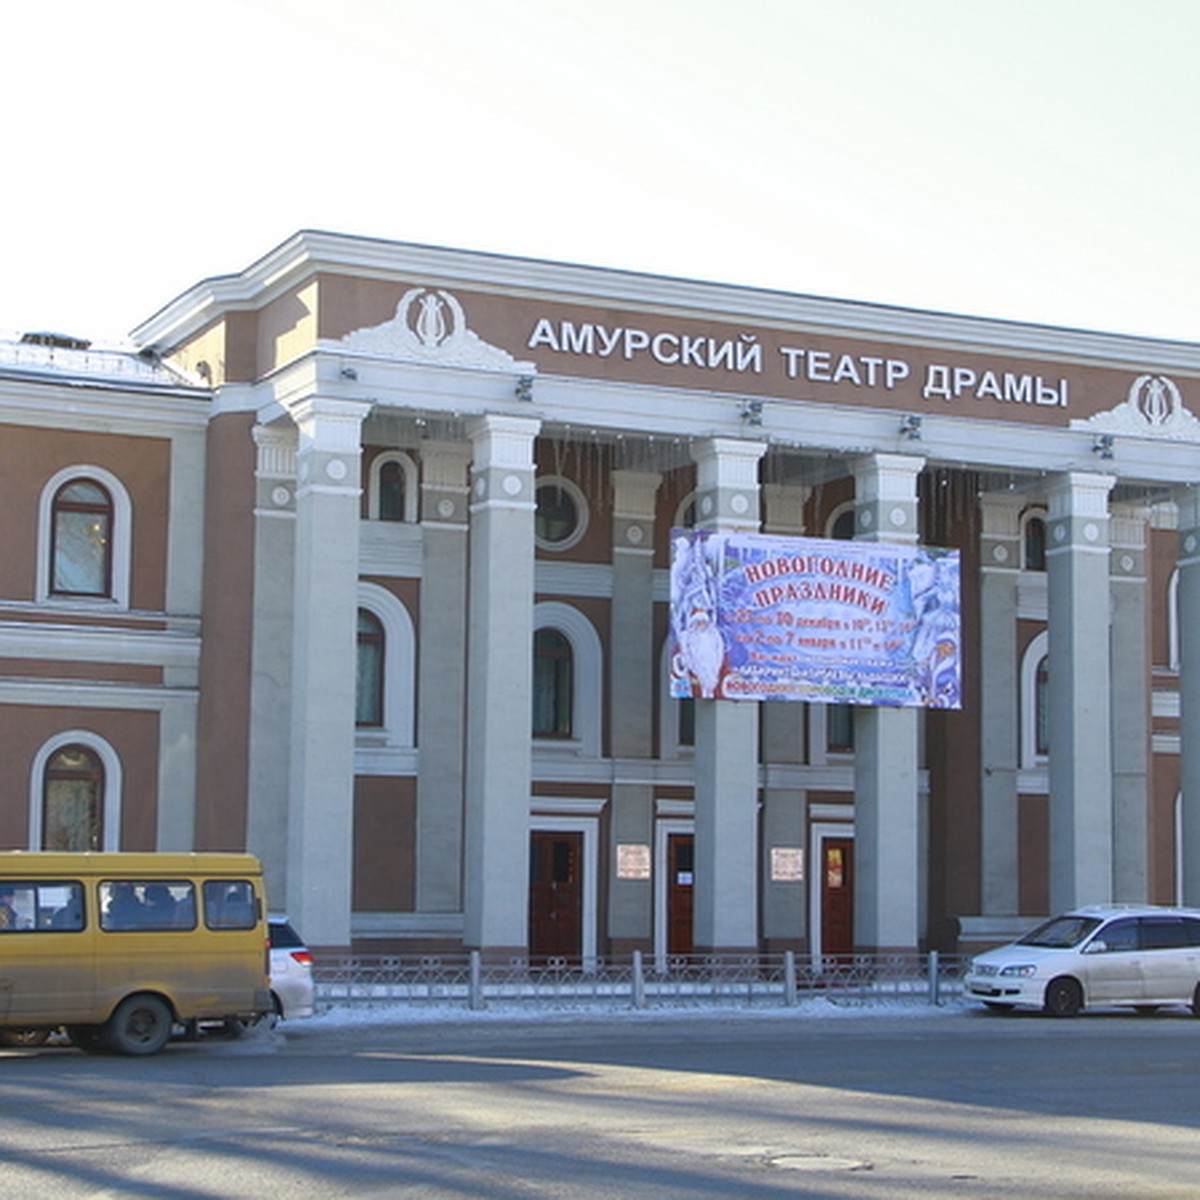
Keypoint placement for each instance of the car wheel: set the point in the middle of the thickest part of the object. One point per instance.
(998, 1006)
(140, 1025)
(24, 1037)
(1064, 998)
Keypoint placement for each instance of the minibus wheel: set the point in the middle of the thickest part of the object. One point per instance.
(140, 1025)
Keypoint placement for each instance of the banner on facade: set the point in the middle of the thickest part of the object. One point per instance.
(757, 617)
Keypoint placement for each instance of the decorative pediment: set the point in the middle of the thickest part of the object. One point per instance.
(431, 327)
(1153, 408)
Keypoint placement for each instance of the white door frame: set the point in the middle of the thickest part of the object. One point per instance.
(590, 828)
(818, 834)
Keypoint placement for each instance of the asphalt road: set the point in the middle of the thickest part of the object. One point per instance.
(931, 1104)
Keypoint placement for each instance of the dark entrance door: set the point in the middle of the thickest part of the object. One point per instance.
(680, 880)
(555, 895)
(837, 897)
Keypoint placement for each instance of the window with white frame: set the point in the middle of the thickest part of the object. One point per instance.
(568, 679)
(386, 680)
(561, 516)
(75, 794)
(392, 488)
(84, 532)
(1033, 539)
(1035, 702)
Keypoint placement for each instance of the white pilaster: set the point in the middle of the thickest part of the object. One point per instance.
(999, 710)
(324, 666)
(887, 870)
(725, 914)
(1081, 791)
(499, 684)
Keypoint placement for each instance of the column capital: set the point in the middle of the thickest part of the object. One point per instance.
(783, 507)
(1079, 494)
(886, 476)
(499, 440)
(329, 424)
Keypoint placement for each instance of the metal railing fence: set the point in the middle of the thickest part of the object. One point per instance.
(639, 982)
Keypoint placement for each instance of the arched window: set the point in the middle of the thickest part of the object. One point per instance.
(841, 525)
(1033, 540)
(85, 539)
(392, 487)
(687, 720)
(391, 492)
(553, 686)
(368, 709)
(839, 728)
(1041, 707)
(73, 800)
(81, 540)
(1035, 702)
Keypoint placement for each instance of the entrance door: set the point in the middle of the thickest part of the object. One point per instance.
(555, 895)
(837, 897)
(680, 881)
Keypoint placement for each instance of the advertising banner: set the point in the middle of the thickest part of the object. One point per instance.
(757, 617)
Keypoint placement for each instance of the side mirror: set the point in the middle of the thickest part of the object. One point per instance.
(1099, 946)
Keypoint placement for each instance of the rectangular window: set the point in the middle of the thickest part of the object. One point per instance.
(230, 904)
(147, 904)
(29, 907)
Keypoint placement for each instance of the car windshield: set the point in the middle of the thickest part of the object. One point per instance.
(1060, 933)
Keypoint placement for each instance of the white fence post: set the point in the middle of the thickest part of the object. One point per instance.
(639, 981)
(475, 995)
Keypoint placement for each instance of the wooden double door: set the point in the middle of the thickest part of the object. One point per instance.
(555, 895)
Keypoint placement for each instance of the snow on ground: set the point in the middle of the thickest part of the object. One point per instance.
(816, 1008)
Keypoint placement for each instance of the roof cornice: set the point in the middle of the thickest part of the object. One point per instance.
(311, 251)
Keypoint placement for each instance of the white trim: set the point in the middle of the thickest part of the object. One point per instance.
(399, 680)
(587, 679)
(590, 828)
(408, 469)
(1034, 653)
(819, 832)
(113, 784)
(836, 514)
(663, 829)
(122, 539)
(678, 522)
(582, 512)
(1173, 620)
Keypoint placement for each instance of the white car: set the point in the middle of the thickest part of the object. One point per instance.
(1140, 956)
(291, 970)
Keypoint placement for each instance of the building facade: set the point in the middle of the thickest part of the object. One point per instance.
(359, 560)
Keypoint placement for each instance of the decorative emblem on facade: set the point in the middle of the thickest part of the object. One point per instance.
(431, 327)
(1153, 408)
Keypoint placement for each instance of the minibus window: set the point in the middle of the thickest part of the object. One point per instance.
(230, 904)
(147, 904)
(28, 906)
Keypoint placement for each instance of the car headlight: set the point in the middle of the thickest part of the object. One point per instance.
(1022, 969)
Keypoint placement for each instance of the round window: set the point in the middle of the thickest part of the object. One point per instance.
(561, 514)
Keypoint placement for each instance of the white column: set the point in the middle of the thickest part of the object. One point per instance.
(324, 668)
(499, 685)
(1131, 685)
(634, 664)
(271, 694)
(441, 684)
(725, 913)
(887, 866)
(1188, 622)
(1081, 791)
(783, 722)
(999, 709)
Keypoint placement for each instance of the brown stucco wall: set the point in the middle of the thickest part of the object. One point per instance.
(385, 832)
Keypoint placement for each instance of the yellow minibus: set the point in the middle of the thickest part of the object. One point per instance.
(120, 949)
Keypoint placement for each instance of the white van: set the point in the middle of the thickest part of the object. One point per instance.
(1144, 957)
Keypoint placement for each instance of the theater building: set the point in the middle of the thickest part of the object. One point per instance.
(358, 559)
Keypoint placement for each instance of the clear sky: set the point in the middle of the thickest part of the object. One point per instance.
(1027, 159)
